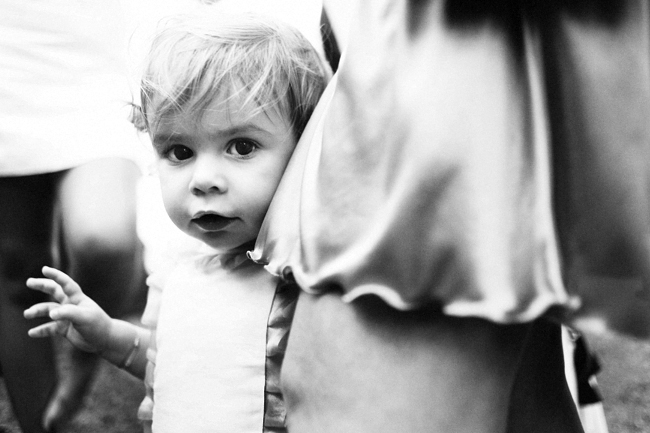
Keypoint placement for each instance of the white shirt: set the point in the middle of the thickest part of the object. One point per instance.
(210, 344)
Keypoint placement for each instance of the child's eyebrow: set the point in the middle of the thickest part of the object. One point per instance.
(163, 138)
(238, 129)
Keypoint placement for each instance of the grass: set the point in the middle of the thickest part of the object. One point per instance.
(112, 402)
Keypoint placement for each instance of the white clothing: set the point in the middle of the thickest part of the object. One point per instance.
(209, 314)
(63, 85)
(454, 162)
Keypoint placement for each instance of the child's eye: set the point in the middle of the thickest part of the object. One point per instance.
(178, 152)
(241, 147)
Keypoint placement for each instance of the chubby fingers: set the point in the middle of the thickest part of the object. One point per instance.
(48, 329)
(40, 310)
(58, 312)
(61, 315)
(69, 286)
(47, 286)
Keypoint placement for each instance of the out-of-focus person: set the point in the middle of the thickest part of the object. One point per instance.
(69, 164)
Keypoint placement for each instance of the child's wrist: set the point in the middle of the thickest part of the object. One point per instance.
(106, 345)
(123, 344)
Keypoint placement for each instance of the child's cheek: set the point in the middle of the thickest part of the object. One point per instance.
(173, 199)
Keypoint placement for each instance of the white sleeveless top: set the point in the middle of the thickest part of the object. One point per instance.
(207, 371)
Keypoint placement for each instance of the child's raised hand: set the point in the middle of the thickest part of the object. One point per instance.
(74, 315)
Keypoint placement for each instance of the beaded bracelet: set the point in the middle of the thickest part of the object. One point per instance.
(128, 359)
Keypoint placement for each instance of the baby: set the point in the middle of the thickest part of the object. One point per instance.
(224, 101)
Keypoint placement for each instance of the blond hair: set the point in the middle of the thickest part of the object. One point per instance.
(195, 60)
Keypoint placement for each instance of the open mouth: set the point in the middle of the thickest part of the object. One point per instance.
(212, 222)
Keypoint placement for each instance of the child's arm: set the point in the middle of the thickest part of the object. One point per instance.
(83, 322)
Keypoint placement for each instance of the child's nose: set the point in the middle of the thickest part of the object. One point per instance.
(208, 177)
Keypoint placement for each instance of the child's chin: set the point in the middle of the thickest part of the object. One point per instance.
(221, 245)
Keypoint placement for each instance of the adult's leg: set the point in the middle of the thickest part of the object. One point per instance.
(101, 251)
(101, 248)
(25, 238)
(365, 367)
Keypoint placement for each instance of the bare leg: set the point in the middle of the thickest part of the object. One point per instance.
(101, 248)
(25, 239)
(101, 251)
(365, 367)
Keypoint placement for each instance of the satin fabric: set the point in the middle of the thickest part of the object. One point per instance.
(489, 158)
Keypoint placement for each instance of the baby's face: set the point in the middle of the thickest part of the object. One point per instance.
(218, 174)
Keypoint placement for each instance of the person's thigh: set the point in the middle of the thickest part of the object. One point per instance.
(98, 202)
(365, 367)
(26, 214)
(26, 221)
(99, 242)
